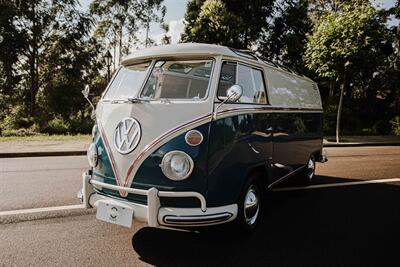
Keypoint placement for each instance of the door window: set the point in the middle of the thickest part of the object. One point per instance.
(249, 78)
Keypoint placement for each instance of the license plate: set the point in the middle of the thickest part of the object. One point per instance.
(115, 212)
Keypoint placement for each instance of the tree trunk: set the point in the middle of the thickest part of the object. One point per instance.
(339, 111)
(120, 41)
(331, 89)
(33, 67)
(115, 51)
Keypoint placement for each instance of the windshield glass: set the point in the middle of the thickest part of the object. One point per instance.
(183, 79)
(127, 82)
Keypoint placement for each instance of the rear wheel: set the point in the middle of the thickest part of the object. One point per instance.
(249, 205)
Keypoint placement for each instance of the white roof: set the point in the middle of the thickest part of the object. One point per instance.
(192, 49)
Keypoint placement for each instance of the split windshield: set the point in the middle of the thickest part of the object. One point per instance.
(178, 79)
(183, 79)
(127, 82)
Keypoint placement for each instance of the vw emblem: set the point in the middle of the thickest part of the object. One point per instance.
(127, 135)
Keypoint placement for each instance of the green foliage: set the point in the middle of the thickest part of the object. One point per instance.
(395, 125)
(345, 42)
(215, 24)
(285, 39)
(58, 126)
(226, 22)
(49, 50)
(118, 22)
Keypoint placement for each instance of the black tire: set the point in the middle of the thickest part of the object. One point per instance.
(247, 219)
(308, 172)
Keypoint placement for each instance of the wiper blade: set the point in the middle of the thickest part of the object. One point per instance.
(136, 100)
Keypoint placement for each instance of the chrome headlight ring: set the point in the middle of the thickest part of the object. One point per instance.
(93, 155)
(177, 165)
(95, 129)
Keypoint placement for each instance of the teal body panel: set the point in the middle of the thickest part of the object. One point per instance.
(237, 145)
(103, 169)
(273, 143)
(150, 175)
(232, 148)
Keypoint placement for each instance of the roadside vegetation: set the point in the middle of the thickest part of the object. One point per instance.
(49, 50)
(46, 137)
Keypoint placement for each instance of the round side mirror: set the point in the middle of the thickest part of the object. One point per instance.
(234, 93)
(86, 91)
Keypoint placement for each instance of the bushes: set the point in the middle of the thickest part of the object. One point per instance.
(18, 123)
(395, 125)
(58, 126)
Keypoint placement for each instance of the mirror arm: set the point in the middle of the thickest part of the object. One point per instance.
(93, 115)
(220, 104)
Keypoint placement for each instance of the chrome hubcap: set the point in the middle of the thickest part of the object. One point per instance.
(251, 205)
(310, 168)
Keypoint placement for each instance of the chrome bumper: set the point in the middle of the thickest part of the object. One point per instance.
(323, 157)
(155, 215)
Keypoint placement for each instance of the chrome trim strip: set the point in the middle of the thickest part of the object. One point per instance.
(200, 197)
(238, 111)
(148, 148)
(202, 219)
(283, 178)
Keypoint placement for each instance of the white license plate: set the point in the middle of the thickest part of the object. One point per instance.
(115, 212)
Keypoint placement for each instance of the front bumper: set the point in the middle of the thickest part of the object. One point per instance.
(155, 215)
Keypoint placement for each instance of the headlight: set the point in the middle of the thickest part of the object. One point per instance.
(94, 131)
(93, 155)
(177, 165)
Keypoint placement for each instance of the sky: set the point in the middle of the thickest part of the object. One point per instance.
(176, 11)
(174, 17)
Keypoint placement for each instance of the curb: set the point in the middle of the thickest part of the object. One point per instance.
(361, 144)
(9, 219)
(82, 153)
(42, 154)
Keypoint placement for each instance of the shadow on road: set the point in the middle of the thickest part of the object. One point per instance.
(357, 225)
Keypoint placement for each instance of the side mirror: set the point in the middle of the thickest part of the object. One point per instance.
(86, 91)
(234, 93)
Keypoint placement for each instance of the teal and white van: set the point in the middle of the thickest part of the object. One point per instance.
(194, 134)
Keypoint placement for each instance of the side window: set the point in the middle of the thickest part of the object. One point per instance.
(249, 78)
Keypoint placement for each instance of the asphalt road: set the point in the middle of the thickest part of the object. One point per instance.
(40, 182)
(346, 226)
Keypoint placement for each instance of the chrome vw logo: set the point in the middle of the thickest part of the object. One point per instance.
(127, 135)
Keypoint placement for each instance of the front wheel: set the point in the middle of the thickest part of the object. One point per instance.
(249, 205)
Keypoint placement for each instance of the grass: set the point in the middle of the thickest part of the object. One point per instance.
(45, 137)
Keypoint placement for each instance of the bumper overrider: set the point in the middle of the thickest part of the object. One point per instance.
(153, 213)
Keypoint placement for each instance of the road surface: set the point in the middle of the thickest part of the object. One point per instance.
(349, 225)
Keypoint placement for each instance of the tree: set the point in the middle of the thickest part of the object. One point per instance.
(166, 39)
(226, 22)
(10, 47)
(345, 45)
(71, 62)
(46, 53)
(285, 39)
(38, 21)
(118, 22)
(214, 25)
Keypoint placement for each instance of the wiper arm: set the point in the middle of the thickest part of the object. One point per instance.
(136, 100)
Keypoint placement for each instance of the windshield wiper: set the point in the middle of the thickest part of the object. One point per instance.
(137, 100)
